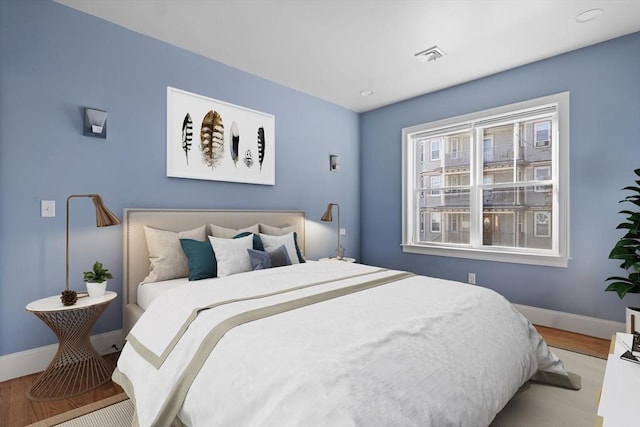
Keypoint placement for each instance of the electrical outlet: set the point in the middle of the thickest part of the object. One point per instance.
(471, 278)
(47, 208)
(343, 231)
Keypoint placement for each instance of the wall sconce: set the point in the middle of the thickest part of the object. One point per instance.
(95, 123)
(334, 163)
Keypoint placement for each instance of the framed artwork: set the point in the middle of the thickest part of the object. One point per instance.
(214, 140)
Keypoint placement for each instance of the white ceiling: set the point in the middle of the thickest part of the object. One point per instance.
(333, 49)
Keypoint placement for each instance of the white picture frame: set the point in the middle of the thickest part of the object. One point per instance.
(218, 141)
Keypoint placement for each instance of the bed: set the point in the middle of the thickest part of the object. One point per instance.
(315, 343)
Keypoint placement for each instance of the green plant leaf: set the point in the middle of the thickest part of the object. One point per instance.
(627, 249)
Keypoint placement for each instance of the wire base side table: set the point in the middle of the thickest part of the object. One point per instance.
(77, 367)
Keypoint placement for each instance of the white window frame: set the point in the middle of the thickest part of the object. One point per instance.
(558, 255)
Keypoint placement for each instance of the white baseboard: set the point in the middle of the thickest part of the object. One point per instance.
(577, 323)
(34, 360)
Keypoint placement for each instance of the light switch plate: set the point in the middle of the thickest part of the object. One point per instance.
(47, 208)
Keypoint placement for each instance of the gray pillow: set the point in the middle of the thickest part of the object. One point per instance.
(269, 259)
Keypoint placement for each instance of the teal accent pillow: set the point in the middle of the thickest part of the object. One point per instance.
(262, 259)
(295, 240)
(201, 259)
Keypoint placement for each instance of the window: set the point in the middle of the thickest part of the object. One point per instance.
(435, 222)
(542, 226)
(506, 199)
(454, 147)
(435, 149)
(434, 182)
(487, 148)
(541, 173)
(542, 134)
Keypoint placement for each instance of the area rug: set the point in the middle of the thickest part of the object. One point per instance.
(541, 405)
(114, 411)
(535, 405)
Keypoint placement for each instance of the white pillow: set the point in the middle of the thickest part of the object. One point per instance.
(230, 233)
(277, 231)
(232, 255)
(271, 243)
(166, 256)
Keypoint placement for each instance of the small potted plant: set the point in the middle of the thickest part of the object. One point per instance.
(96, 280)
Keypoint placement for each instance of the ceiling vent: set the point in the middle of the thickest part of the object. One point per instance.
(430, 54)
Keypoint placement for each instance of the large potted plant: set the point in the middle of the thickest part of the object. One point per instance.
(97, 280)
(627, 249)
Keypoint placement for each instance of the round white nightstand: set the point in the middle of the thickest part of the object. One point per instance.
(343, 259)
(77, 367)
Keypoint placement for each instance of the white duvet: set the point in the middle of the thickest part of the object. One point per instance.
(418, 351)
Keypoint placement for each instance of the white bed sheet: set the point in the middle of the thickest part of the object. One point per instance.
(148, 292)
(422, 351)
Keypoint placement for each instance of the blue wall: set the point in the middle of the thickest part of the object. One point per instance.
(604, 85)
(54, 61)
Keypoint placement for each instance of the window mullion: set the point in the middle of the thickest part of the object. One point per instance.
(475, 199)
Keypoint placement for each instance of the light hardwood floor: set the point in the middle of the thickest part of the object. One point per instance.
(17, 411)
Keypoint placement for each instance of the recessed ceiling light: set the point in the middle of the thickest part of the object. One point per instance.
(431, 54)
(366, 92)
(589, 15)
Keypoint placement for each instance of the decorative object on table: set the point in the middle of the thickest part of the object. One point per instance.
(96, 280)
(104, 218)
(627, 249)
(249, 137)
(95, 123)
(635, 345)
(69, 297)
(328, 217)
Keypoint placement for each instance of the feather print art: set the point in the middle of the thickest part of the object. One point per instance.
(260, 146)
(235, 142)
(248, 158)
(187, 135)
(212, 138)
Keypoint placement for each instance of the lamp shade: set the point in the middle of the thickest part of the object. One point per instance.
(104, 217)
(327, 217)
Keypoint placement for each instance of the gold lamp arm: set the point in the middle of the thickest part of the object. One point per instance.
(328, 217)
(104, 218)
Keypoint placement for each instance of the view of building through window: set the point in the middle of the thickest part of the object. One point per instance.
(513, 157)
(490, 182)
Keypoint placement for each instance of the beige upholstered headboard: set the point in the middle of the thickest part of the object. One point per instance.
(136, 257)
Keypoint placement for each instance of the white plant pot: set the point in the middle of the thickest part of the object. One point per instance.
(96, 289)
(633, 319)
